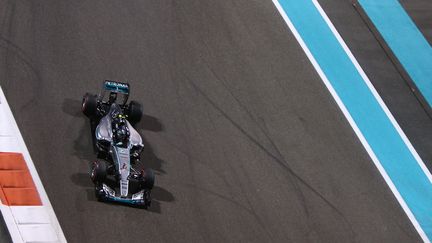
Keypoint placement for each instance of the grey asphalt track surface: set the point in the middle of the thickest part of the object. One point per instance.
(247, 142)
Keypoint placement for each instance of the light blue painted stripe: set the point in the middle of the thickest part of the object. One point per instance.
(405, 40)
(393, 153)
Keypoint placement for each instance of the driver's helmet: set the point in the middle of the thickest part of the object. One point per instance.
(120, 130)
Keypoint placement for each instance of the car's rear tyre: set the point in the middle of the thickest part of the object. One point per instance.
(135, 112)
(148, 179)
(98, 172)
(89, 105)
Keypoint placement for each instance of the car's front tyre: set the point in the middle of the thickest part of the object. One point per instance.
(98, 172)
(148, 179)
(100, 193)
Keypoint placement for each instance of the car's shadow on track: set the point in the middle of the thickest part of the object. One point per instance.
(83, 149)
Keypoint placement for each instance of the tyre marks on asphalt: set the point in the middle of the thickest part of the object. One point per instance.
(295, 178)
(215, 184)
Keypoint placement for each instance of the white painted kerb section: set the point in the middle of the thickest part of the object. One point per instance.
(26, 223)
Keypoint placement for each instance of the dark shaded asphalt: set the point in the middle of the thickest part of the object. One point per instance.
(247, 142)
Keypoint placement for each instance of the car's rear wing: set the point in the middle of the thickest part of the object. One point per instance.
(117, 87)
(118, 91)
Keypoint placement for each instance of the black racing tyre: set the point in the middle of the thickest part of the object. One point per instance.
(147, 199)
(98, 172)
(148, 179)
(99, 193)
(135, 112)
(89, 105)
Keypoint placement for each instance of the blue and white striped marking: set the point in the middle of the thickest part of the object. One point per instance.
(383, 139)
(405, 40)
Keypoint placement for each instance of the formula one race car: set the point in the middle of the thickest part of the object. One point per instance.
(118, 146)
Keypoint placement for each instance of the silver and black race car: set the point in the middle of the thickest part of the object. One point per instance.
(118, 146)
